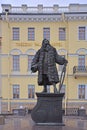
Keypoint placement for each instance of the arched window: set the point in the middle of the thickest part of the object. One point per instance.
(30, 54)
(30, 57)
(16, 63)
(15, 59)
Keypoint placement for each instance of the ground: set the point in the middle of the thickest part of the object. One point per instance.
(15, 122)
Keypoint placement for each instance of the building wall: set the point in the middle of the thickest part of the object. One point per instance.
(71, 48)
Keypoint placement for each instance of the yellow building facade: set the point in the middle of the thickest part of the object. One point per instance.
(22, 30)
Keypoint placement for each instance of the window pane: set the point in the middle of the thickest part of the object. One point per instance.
(81, 91)
(82, 31)
(62, 34)
(30, 57)
(15, 33)
(16, 63)
(46, 33)
(81, 60)
(31, 34)
(31, 91)
(15, 91)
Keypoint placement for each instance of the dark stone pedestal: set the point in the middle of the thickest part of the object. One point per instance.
(48, 110)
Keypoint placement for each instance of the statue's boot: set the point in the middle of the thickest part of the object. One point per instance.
(44, 89)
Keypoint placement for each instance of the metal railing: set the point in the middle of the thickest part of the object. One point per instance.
(41, 9)
(77, 69)
(72, 111)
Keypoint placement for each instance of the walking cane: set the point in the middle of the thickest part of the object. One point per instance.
(62, 77)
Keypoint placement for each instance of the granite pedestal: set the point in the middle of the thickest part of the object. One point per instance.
(48, 110)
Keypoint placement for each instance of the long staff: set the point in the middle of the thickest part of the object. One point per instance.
(62, 77)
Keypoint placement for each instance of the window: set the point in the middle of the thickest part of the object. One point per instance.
(16, 32)
(30, 57)
(31, 34)
(82, 33)
(62, 34)
(81, 91)
(16, 64)
(16, 91)
(81, 63)
(31, 91)
(46, 33)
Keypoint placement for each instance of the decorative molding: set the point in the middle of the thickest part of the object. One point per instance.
(30, 52)
(73, 54)
(45, 17)
(62, 51)
(33, 18)
(17, 75)
(15, 51)
(81, 51)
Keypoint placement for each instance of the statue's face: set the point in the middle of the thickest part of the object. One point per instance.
(45, 43)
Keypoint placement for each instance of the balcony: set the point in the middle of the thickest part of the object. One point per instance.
(79, 71)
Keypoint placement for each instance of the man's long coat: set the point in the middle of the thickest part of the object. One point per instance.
(52, 59)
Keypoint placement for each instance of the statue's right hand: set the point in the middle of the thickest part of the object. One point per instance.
(33, 69)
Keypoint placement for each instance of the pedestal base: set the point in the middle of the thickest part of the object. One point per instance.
(48, 110)
(51, 124)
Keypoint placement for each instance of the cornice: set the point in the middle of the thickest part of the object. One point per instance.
(32, 18)
(45, 17)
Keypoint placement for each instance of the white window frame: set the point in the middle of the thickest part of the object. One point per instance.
(85, 33)
(31, 34)
(63, 33)
(29, 63)
(16, 67)
(46, 33)
(85, 92)
(15, 34)
(32, 86)
(17, 86)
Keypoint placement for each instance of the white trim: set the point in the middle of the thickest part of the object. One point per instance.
(82, 51)
(85, 32)
(29, 51)
(12, 52)
(62, 50)
(85, 91)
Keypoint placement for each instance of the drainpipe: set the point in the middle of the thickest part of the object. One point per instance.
(7, 20)
(0, 77)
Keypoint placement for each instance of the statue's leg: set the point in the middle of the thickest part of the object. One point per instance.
(45, 88)
(55, 89)
(44, 83)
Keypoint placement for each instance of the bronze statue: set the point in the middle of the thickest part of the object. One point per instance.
(44, 62)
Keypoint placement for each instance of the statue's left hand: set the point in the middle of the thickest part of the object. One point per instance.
(34, 68)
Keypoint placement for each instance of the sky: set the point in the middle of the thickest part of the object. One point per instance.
(44, 2)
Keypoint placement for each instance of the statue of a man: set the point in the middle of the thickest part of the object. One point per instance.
(44, 62)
